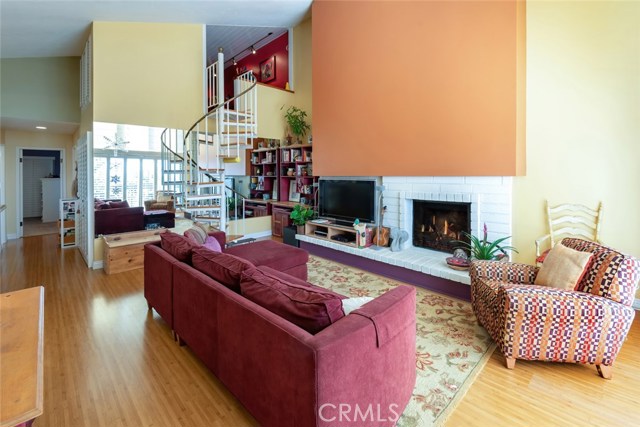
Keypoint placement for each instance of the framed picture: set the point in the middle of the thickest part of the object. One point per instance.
(294, 196)
(268, 69)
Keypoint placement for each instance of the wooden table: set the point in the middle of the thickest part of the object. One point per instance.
(21, 344)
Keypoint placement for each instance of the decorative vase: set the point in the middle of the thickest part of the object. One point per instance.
(290, 172)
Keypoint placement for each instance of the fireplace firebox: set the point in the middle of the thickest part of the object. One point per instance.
(438, 225)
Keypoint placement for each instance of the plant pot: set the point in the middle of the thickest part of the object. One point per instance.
(289, 236)
(300, 229)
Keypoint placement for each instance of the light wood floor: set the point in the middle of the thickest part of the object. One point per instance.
(108, 362)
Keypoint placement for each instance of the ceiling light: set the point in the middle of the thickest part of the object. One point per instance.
(253, 50)
(234, 61)
(41, 127)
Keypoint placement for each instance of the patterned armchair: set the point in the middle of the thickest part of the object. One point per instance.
(585, 325)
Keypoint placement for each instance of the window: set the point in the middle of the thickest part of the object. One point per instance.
(134, 177)
(126, 162)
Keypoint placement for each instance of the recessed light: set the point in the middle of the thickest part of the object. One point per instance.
(41, 127)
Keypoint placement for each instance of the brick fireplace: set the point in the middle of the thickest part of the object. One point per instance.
(440, 225)
(488, 200)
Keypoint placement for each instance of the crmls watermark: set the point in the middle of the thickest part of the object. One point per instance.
(348, 413)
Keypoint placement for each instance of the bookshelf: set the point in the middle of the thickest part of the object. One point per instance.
(296, 180)
(67, 223)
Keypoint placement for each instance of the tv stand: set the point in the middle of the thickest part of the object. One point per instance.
(333, 232)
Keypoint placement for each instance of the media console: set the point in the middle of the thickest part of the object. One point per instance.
(336, 233)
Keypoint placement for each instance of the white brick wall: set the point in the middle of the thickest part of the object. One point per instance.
(490, 199)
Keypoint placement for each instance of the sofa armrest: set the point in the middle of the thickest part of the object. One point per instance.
(170, 205)
(220, 236)
(369, 356)
(500, 271)
(147, 204)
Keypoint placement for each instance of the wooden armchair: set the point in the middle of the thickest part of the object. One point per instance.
(568, 220)
(163, 201)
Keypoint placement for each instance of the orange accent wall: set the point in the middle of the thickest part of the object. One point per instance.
(418, 88)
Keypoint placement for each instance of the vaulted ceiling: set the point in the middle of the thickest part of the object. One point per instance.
(44, 28)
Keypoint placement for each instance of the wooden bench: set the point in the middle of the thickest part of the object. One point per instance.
(125, 251)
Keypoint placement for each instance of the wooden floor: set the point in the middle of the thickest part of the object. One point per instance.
(109, 362)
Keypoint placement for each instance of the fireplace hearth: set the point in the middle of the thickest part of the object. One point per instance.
(437, 225)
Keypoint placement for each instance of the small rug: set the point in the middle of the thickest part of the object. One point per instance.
(451, 349)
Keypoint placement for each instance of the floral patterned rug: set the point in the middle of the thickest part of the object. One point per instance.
(451, 348)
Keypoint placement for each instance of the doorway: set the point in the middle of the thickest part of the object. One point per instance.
(41, 183)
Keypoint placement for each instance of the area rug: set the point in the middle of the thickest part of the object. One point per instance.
(451, 348)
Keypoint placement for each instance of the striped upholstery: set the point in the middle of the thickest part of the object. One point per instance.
(542, 323)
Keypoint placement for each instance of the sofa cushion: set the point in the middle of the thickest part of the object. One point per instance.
(224, 268)
(177, 246)
(310, 307)
(122, 204)
(563, 268)
(272, 254)
(164, 198)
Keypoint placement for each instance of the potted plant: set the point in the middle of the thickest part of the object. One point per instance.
(484, 249)
(296, 119)
(300, 215)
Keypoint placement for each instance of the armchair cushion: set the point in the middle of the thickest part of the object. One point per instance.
(611, 274)
(564, 268)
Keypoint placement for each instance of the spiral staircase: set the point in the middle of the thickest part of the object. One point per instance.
(193, 161)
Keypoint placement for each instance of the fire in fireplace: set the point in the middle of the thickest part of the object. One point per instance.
(437, 225)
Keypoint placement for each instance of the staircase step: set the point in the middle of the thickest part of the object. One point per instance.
(202, 184)
(207, 218)
(172, 182)
(202, 196)
(201, 208)
(173, 171)
(240, 113)
(210, 170)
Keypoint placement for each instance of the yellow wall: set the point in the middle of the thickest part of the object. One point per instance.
(302, 74)
(271, 123)
(43, 89)
(583, 119)
(39, 140)
(250, 225)
(148, 74)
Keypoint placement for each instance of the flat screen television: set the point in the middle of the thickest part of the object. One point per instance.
(344, 200)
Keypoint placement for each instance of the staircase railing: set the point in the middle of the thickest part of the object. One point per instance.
(235, 202)
(214, 139)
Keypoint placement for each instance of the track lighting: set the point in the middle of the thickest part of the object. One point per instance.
(251, 48)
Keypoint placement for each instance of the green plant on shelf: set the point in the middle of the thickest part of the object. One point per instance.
(301, 214)
(296, 119)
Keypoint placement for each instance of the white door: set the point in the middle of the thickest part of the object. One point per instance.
(84, 218)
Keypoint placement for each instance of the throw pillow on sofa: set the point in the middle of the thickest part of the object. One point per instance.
(196, 234)
(224, 268)
(563, 268)
(310, 307)
(177, 246)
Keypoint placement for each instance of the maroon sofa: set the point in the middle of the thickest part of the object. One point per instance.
(358, 371)
(118, 220)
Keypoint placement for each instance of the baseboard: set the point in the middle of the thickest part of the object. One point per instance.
(97, 265)
(12, 236)
(636, 303)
